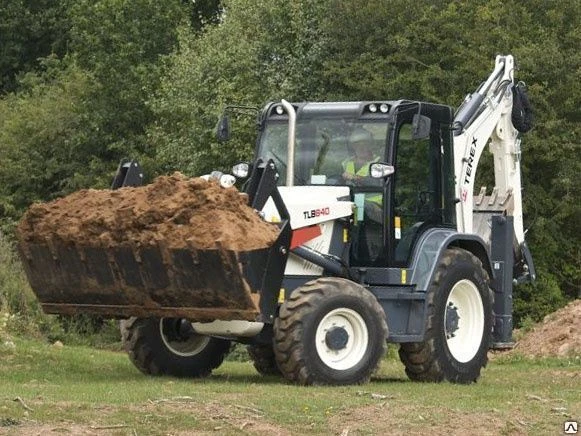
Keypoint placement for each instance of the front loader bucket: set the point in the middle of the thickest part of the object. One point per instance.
(141, 281)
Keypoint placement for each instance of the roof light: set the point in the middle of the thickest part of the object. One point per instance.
(372, 107)
(279, 110)
(383, 108)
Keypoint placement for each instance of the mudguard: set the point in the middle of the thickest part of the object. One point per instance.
(431, 246)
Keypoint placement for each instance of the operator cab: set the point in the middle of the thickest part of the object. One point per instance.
(392, 211)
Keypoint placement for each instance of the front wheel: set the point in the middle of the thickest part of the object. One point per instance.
(170, 346)
(330, 331)
(459, 324)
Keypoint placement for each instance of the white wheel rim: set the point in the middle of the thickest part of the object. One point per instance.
(187, 347)
(357, 339)
(467, 338)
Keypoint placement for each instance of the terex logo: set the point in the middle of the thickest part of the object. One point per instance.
(316, 212)
(470, 162)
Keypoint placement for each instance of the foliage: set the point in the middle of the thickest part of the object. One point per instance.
(261, 51)
(203, 13)
(29, 30)
(121, 43)
(19, 310)
(44, 149)
(74, 118)
(536, 300)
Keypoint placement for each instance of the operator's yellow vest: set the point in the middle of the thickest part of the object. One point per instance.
(349, 168)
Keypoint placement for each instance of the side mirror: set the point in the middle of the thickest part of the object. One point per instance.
(379, 170)
(223, 129)
(421, 127)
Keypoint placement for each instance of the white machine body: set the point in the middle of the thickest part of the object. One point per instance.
(313, 211)
(491, 125)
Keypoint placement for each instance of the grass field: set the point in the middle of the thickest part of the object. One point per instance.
(77, 390)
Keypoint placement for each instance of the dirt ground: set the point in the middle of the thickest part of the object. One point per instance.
(215, 417)
(558, 335)
(175, 209)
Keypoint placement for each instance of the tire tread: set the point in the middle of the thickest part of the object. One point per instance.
(422, 360)
(145, 350)
(288, 328)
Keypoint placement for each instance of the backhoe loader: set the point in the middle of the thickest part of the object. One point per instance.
(402, 251)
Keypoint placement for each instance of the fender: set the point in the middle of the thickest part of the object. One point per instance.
(430, 248)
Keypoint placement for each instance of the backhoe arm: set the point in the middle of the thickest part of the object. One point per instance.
(485, 118)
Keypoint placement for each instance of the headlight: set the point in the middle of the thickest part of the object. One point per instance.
(241, 170)
(216, 175)
(227, 180)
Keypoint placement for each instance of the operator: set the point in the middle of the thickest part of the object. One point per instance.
(356, 167)
(356, 171)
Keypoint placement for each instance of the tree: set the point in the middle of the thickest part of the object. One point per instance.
(85, 83)
(29, 30)
(44, 153)
(203, 13)
(121, 43)
(260, 52)
(74, 117)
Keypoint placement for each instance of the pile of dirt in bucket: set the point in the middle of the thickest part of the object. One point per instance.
(558, 335)
(174, 210)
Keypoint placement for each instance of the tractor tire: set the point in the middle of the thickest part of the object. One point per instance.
(331, 331)
(459, 323)
(169, 346)
(263, 359)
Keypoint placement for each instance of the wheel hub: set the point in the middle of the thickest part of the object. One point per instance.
(464, 321)
(452, 320)
(341, 338)
(185, 329)
(336, 338)
(180, 338)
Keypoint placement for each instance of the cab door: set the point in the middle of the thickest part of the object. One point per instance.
(416, 191)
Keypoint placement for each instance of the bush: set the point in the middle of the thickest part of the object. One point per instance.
(16, 297)
(19, 308)
(533, 302)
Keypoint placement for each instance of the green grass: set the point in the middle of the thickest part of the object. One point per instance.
(75, 389)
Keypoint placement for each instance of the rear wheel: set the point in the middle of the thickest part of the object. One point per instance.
(459, 323)
(170, 346)
(330, 331)
(263, 359)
